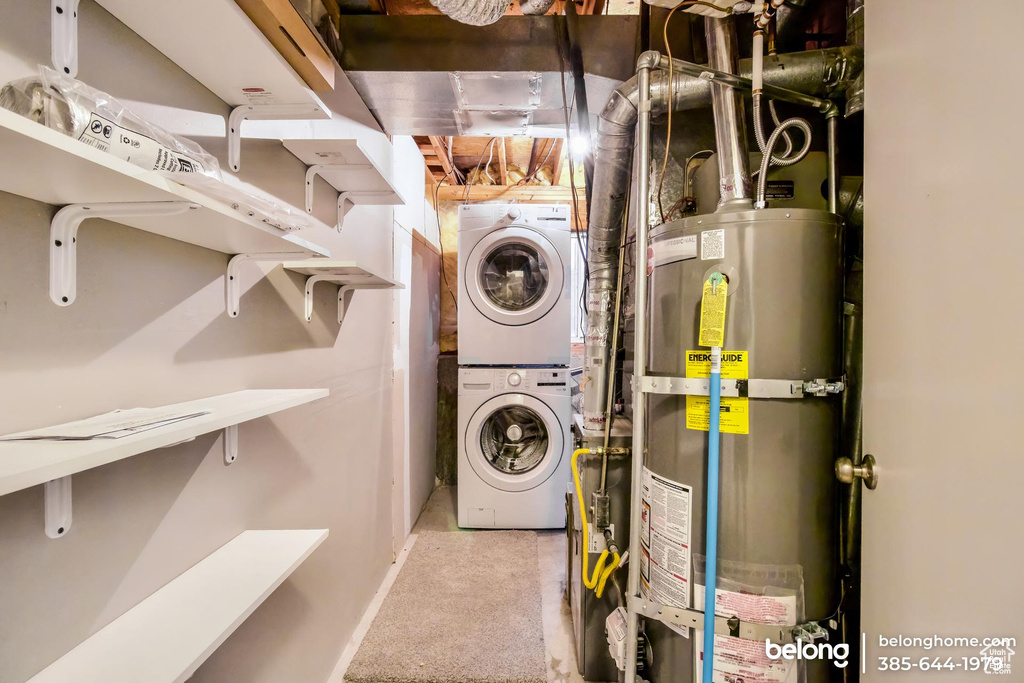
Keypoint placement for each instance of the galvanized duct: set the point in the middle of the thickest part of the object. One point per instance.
(821, 73)
(855, 37)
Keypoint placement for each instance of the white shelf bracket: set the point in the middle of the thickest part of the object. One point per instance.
(342, 304)
(57, 506)
(263, 112)
(64, 36)
(319, 169)
(64, 237)
(308, 303)
(230, 444)
(233, 288)
(345, 203)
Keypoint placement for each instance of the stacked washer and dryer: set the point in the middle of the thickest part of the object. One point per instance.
(514, 406)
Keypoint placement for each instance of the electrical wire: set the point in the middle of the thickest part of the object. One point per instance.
(440, 240)
(476, 171)
(668, 50)
(567, 109)
(538, 167)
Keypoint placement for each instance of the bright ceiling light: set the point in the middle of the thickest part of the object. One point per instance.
(578, 145)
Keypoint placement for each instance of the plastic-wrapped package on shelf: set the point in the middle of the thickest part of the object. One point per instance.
(67, 105)
(247, 199)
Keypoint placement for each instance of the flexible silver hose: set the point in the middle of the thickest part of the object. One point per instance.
(786, 158)
(785, 136)
(769, 148)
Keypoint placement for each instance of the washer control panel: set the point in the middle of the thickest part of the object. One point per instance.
(549, 380)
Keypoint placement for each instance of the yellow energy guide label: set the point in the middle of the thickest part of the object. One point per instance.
(735, 415)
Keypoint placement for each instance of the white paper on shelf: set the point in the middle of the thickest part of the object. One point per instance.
(116, 424)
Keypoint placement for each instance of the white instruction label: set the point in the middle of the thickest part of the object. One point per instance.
(665, 543)
(712, 245)
(738, 658)
(595, 539)
(136, 148)
(260, 96)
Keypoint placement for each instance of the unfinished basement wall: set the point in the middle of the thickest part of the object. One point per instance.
(417, 266)
(149, 328)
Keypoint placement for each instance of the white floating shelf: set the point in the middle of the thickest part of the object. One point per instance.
(29, 463)
(348, 274)
(48, 166)
(218, 45)
(167, 636)
(346, 166)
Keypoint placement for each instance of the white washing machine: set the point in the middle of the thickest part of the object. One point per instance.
(514, 284)
(514, 443)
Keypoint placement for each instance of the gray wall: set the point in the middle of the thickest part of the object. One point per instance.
(149, 328)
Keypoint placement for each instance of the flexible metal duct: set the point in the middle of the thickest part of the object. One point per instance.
(473, 12)
(821, 73)
(535, 6)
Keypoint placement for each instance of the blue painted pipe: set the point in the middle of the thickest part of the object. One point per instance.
(711, 546)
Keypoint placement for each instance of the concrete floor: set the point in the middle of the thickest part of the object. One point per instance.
(439, 514)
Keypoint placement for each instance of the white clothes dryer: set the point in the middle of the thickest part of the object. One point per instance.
(514, 284)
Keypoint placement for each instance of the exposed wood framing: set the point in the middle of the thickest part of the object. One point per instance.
(556, 161)
(502, 162)
(442, 156)
(536, 194)
(522, 194)
(533, 156)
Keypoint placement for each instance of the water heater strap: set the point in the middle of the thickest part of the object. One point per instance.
(748, 388)
(725, 626)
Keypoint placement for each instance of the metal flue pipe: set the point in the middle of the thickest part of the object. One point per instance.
(730, 118)
(820, 73)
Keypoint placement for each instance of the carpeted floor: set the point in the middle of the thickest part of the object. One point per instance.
(466, 608)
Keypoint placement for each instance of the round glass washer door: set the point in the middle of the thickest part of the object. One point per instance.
(514, 442)
(514, 276)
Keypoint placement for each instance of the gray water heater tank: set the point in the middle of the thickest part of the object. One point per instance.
(778, 507)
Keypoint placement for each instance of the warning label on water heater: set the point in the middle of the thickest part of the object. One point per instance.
(734, 416)
(665, 542)
(738, 659)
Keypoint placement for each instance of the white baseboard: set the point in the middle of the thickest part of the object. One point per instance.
(338, 675)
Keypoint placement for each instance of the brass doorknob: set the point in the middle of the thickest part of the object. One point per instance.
(848, 473)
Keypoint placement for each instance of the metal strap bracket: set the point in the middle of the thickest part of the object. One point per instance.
(346, 202)
(342, 291)
(263, 112)
(745, 388)
(230, 444)
(319, 169)
(64, 36)
(724, 626)
(57, 507)
(64, 237)
(233, 290)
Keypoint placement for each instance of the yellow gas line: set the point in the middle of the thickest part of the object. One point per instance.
(598, 580)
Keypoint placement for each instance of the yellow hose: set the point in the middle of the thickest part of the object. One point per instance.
(597, 581)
